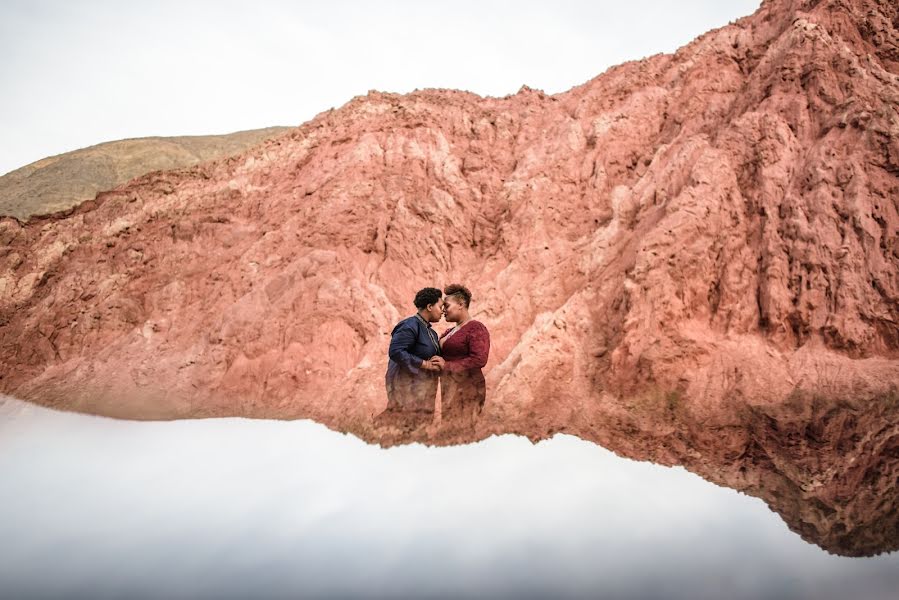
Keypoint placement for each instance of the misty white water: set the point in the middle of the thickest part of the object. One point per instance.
(92, 507)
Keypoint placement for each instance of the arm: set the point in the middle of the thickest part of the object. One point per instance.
(402, 339)
(478, 351)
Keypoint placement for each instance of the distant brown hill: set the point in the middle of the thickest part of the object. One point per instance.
(62, 181)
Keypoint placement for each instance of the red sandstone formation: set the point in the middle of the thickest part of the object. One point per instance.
(674, 259)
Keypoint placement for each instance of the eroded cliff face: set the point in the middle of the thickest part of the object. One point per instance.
(692, 259)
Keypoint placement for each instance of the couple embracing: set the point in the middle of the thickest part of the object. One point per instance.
(420, 359)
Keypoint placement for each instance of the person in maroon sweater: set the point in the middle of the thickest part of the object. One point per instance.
(464, 350)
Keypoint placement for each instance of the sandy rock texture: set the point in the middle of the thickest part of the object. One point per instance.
(693, 259)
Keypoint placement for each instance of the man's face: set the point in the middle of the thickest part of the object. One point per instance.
(435, 311)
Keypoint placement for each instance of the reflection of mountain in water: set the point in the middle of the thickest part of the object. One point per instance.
(242, 508)
(830, 469)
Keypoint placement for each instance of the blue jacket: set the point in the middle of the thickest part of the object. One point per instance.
(411, 341)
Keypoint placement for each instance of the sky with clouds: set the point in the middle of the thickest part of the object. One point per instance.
(75, 74)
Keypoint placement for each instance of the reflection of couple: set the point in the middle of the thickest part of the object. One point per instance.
(419, 359)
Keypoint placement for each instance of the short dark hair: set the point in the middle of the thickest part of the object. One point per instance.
(460, 291)
(427, 296)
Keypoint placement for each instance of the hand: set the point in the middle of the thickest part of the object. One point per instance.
(427, 365)
(438, 362)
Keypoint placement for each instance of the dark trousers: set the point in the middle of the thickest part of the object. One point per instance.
(412, 393)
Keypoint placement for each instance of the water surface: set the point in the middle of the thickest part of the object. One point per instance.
(92, 507)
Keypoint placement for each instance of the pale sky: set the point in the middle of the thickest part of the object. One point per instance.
(74, 74)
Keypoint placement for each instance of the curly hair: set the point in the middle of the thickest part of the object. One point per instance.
(427, 296)
(459, 291)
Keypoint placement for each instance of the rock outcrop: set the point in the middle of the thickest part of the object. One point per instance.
(693, 258)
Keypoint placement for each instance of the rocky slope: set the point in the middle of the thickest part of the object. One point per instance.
(691, 258)
(60, 182)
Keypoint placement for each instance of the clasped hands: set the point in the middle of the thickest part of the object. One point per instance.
(435, 363)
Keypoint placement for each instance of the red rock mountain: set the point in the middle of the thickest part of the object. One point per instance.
(693, 258)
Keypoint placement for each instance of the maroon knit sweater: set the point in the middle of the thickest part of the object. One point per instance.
(467, 349)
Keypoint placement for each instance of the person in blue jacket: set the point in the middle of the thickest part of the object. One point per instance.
(415, 362)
